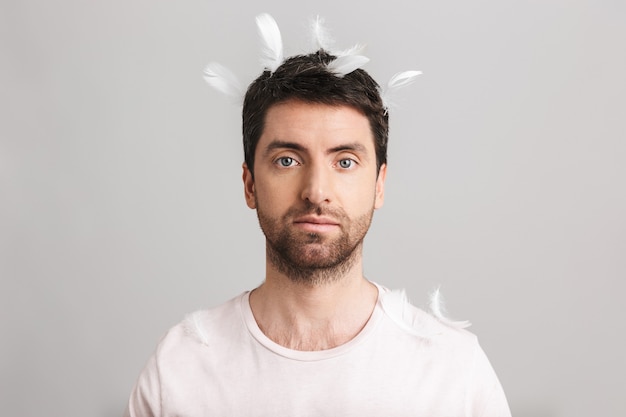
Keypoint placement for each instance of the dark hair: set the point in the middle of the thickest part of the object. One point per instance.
(306, 78)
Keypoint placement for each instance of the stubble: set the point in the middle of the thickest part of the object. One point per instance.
(312, 258)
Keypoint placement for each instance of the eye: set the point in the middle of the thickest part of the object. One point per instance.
(346, 163)
(285, 161)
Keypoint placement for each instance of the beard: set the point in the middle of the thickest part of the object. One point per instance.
(312, 258)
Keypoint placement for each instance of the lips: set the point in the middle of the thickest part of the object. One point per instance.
(316, 224)
(316, 220)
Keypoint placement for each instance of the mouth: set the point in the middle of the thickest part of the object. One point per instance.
(316, 224)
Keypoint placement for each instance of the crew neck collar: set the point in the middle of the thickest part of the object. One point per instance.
(305, 355)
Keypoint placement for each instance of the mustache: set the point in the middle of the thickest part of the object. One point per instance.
(316, 209)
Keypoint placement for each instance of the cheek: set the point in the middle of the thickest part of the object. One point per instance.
(359, 195)
(272, 197)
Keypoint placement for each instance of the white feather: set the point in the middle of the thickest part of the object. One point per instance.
(194, 328)
(223, 80)
(321, 35)
(395, 304)
(272, 52)
(354, 50)
(346, 64)
(403, 79)
(200, 329)
(323, 40)
(398, 81)
(437, 309)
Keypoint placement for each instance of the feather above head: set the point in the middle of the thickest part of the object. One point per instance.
(323, 40)
(347, 60)
(223, 80)
(272, 57)
(343, 65)
(397, 82)
(272, 54)
(321, 36)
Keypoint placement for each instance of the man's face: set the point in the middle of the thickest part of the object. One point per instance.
(315, 185)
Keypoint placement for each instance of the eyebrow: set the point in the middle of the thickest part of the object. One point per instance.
(281, 144)
(355, 147)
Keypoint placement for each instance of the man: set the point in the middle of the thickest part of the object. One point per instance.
(316, 338)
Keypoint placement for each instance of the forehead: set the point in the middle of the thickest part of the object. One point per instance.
(316, 124)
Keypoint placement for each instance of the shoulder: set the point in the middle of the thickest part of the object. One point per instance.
(431, 327)
(452, 351)
(180, 360)
(204, 327)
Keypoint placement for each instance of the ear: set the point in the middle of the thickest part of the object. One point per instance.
(380, 187)
(248, 186)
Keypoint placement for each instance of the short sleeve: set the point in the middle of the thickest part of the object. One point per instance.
(145, 398)
(487, 396)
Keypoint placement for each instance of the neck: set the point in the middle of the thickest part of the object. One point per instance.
(313, 315)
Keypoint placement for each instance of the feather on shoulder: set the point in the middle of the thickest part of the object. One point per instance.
(401, 311)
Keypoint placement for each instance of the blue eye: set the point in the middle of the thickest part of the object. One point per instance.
(346, 163)
(285, 161)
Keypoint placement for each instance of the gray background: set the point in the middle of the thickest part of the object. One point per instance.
(121, 205)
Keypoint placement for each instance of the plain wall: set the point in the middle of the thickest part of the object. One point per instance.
(121, 204)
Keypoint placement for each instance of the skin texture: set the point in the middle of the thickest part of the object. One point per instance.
(315, 188)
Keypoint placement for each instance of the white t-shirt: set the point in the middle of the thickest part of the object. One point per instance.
(218, 362)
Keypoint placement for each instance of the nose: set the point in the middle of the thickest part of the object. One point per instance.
(317, 185)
